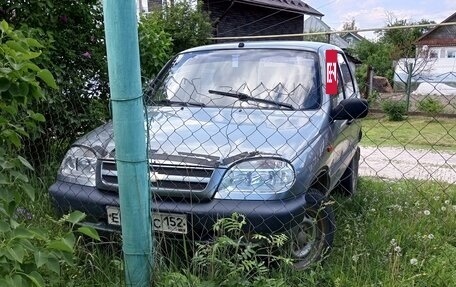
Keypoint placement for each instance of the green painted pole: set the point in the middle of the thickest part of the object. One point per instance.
(129, 135)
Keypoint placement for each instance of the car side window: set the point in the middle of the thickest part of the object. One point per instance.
(340, 89)
(346, 76)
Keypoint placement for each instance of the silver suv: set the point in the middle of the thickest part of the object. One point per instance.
(239, 127)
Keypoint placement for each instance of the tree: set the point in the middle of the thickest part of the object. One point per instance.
(187, 24)
(377, 55)
(404, 49)
(350, 25)
(403, 40)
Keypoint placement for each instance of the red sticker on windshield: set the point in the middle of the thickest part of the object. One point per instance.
(331, 72)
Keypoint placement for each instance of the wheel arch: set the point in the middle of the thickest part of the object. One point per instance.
(321, 181)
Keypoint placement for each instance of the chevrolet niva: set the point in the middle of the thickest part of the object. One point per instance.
(243, 128)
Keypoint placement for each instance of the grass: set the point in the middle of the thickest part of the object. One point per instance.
(414, 132)
(389, 234)
(395, 234)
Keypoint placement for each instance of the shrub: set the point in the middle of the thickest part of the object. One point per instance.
(155, 46)
(72, 36)
(396, 110)
(187, 25)
(29, 255)
(430, 106)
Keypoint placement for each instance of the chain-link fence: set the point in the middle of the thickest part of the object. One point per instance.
(246, 133)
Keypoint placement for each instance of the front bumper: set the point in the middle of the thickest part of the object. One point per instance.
(269, 216)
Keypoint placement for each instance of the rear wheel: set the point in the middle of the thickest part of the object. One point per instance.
(314, 235)
(349, 180)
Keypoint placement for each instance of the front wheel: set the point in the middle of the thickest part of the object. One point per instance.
(314, 234)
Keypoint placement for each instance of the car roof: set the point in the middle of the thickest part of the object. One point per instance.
(295, 45)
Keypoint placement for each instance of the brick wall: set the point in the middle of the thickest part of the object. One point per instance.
(248, 20)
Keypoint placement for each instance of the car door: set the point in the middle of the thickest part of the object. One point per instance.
(345, 132)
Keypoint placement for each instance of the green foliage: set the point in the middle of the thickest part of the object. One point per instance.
(430, 106)
(377, 55)
(234, 258)
(188, 26)
(403, 40)
(155, 45)
(392, 45)
(362, 78)
(235, 255)
(396, 110)
(373, 98)
(29, 256)
(72, 39)
(393, 233)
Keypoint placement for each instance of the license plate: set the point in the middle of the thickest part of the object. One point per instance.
(167, 222)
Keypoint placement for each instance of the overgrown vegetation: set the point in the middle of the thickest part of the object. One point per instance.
(72, 36)
(234, 258)
(29, 255)
(389, 234)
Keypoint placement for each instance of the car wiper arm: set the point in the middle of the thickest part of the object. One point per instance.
(245, 97)
(180, 103)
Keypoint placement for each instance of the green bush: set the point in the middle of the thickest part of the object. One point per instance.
(29, 255)
(168, 31)
(155, 46)
(430, 106)
(188, 26)
(73, 48)
(396, 110)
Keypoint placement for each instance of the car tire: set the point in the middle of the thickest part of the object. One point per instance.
(349, 181)
(313, 237)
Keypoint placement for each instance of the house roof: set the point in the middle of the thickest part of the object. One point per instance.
(427, 38)
(355, 35)
(296, 6)
(314, 24)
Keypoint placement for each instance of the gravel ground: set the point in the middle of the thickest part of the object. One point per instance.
(397, 163)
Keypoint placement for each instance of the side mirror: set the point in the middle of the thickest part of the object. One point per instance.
(350, 109)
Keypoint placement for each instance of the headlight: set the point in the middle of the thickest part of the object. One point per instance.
(79, 166)
(258, 178)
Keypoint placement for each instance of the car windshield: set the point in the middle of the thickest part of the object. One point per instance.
(265, 78)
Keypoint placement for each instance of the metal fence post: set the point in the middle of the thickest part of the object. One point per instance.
(129, 135)
(409, 83)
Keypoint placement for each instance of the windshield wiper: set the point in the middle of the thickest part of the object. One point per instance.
(245, 97)
(179, 103)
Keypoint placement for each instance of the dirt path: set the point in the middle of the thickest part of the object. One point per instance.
(396, 163)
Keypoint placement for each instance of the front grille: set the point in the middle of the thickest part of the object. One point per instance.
(162, 176)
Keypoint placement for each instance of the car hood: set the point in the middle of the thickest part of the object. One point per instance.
(218, 135)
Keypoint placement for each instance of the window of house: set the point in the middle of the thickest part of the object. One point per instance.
(451, 53)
